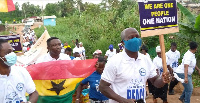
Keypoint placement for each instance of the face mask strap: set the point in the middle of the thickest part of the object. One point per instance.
(2, 58)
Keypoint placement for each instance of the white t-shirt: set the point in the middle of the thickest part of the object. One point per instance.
(79, 50)
(189, 59)
(157, 61)
(47, 58)
(77, 58)
(82, 50)
(14, 86)
(173, 57)
(109, 54)
(128, 76)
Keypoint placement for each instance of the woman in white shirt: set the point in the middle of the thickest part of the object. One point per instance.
(185, 71)
(160, 92)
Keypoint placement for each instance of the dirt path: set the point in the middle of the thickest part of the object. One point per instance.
(20, 27)
(174, 98)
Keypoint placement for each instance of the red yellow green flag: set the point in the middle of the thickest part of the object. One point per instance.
(6, 6)
(56, 81)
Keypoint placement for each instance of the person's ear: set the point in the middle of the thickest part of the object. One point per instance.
(97, 64)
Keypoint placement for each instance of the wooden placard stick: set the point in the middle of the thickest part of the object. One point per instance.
(162, 46)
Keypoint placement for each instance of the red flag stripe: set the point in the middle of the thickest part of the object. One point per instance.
(11, 6)
(63, 69)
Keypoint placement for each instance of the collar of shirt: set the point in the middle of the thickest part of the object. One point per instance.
(172, 51)
(127, 58)
(50, 58)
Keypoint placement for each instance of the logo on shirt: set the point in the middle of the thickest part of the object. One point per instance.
(142, 72)
(13, 97)
(20, 86)
(136, 89)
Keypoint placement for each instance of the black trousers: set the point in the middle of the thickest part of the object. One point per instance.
(160, 92)
(173, 84)
(150, 86)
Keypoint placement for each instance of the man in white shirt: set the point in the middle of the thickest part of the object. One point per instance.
(110, 52)
(125, 74)
(14, 81)
(173, 55)
(82, 50)
(54, 51)
(77, 49)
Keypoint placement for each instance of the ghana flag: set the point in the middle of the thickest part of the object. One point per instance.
(6, 6)
(56, 81)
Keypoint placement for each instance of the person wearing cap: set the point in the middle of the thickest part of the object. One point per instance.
(125, 74)
(97, 53)
(110, 52)
(160, 92)
(82, 50)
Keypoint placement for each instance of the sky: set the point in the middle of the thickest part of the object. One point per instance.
(44, 2)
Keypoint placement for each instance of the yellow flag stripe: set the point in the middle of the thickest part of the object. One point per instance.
(3, 6)
(42, 86)
(159, 27)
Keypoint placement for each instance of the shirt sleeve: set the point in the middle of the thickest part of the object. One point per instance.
(178, 55)
(86, 80)
(187, 59)
(110, 72)
(106, 53)
(29, 85)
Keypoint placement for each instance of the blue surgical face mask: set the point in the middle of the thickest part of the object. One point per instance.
(133, 44)
(11, 59)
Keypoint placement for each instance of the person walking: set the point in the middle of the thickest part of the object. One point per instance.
(185, 70)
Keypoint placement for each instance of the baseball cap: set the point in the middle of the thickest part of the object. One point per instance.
(81, 43)
(111, 46)
(158, 49)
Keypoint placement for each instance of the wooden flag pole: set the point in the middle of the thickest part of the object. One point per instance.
(162, 46)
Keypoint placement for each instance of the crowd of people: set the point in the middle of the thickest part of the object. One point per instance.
(120, 77)
(29, 39)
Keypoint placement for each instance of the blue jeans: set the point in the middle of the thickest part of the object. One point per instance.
(188, 88)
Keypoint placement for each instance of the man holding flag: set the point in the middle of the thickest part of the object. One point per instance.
(56, 76)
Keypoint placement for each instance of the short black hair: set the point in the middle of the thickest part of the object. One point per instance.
(193, 45)
(2, 41)
(102, 59)
(68, 49)
(49, 40)
(173, 44)
(144, 48)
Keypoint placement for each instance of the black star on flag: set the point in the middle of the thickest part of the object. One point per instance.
(57, 87)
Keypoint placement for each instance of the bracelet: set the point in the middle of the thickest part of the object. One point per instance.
(77, 99)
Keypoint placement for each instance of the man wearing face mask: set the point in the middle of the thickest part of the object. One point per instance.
(14, 81)
(125, 74)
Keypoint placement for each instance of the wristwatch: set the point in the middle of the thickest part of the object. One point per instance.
(28, 102)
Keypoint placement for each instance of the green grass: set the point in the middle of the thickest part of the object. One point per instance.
(4, 33)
